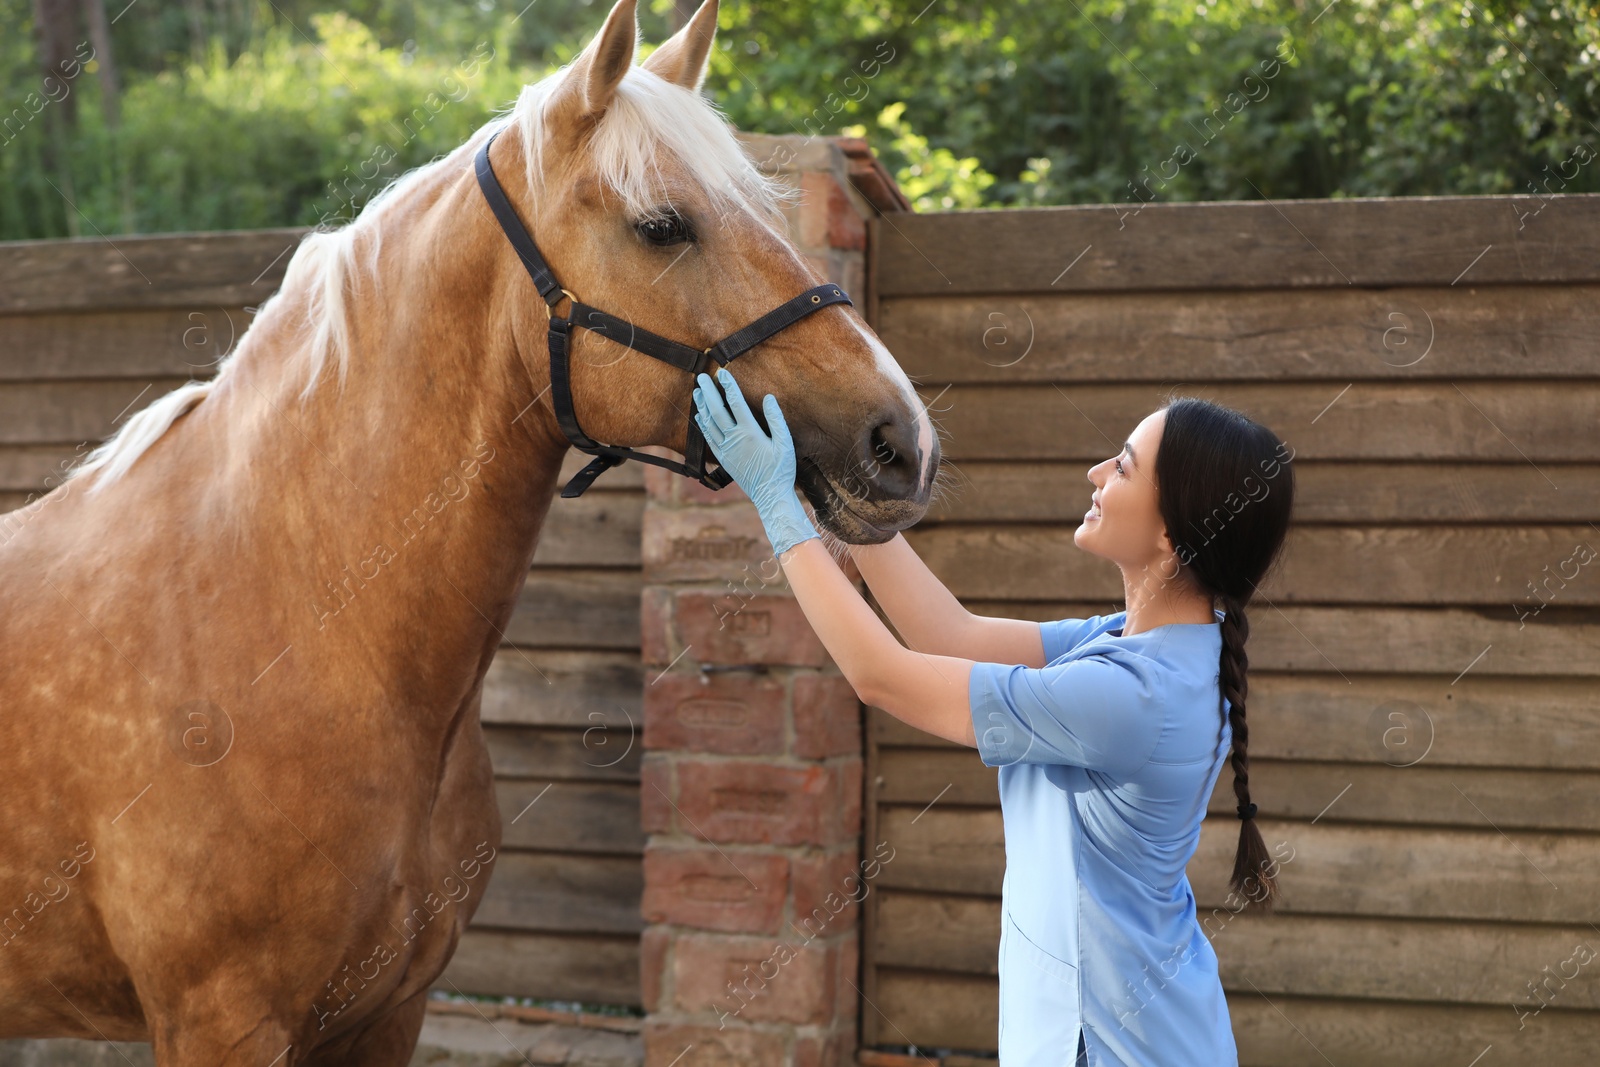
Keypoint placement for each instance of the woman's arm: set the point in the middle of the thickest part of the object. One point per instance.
(929, 616)
(929, 692)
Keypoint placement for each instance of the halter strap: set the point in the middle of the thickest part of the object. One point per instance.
(684, 357)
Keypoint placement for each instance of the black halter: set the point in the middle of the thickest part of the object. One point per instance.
(684, 357)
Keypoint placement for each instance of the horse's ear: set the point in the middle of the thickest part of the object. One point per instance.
(682, 59)
(591, 82)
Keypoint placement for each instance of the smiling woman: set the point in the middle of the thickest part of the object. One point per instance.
(1110, 732)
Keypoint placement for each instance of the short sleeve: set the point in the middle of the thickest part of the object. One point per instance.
(1099, 711)
(1061, 636)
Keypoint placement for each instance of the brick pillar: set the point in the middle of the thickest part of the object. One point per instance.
(751, 783)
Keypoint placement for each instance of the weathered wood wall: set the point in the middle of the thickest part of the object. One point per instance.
(1424, 708)
(87, 338)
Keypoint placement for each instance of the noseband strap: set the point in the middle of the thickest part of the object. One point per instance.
(684, 357)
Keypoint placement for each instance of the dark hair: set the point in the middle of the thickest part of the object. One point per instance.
(1226, 488)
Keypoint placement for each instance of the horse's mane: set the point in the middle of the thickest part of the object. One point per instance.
(648, 115)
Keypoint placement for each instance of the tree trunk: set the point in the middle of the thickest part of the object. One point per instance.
(56, 24)
(106, 70)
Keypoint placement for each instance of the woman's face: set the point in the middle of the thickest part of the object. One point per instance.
(1125, 525)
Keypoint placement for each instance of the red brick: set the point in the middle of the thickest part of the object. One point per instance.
(834, 1048)
(655, 789)
(735, 714)
(847, 230)
(772, 979)
(829, 264)
(676, 1044)
(653, 953)
(697, 544)
(817, 189)
(827, 891)
(656, 641)
(827, 717)
(847, 982)
(739, 892)
(764, 628)
(765, 803)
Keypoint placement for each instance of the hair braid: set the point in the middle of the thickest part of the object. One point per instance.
(1252, 867)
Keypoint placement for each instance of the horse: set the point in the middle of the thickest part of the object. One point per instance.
(246, 827)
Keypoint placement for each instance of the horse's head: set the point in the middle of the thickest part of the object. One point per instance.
(646, 207)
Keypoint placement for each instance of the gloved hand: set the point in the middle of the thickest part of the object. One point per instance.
(764, 467)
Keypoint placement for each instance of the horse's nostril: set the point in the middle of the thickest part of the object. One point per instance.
(882, 451)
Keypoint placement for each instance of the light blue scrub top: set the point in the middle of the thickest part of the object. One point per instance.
(1107, 756)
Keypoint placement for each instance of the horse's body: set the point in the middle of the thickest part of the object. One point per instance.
(247, 808)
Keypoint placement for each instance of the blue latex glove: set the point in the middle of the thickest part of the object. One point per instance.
(764, 467)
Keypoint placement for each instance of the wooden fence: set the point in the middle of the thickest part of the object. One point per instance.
(91, 332)
(1424, 710)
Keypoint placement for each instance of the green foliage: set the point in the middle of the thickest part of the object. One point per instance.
(256, 113)
(291, 132)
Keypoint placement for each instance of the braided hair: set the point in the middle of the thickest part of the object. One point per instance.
(1226, 488)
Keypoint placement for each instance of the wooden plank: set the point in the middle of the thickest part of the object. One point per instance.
(1396, 720)
(558, 893)
(66, 413)
(1335, 334)
(1450, 962)
(928, 932)
(592, 968)
(1489, 565)
(1351, 640)
(1479, 720)
(1360, 241)
(599, 753)
(163, 342)
(565, 816)
(1305, 955)
(944, 850)
(962, 1011)
(1313, 1032)
(1416, 872)
(581, 688)
(1406, 872)
(1510, 422)
(568, 607)
(197, 271)
(1441, 796)
(593, 530)
(932, 1010)
(998, 491)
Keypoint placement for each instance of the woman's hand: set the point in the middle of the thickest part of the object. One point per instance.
(763, 466)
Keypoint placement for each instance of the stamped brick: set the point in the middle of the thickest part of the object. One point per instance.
(754, 979)
(738, 714)
(668, 1043)
(828, 889)
(752, 801)
(725, 544)
(737, 892)
(767, 628)
(827, 717)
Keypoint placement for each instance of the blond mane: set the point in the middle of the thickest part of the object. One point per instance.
(647, 117)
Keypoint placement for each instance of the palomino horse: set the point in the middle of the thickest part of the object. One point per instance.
(247, 829)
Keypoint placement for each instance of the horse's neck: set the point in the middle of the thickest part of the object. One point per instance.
(399, 515)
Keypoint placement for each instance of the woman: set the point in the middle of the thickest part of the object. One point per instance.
(1109, 732)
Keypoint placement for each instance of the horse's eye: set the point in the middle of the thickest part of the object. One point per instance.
(665, 230)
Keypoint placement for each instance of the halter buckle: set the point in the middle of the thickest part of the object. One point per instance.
(549, 309)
